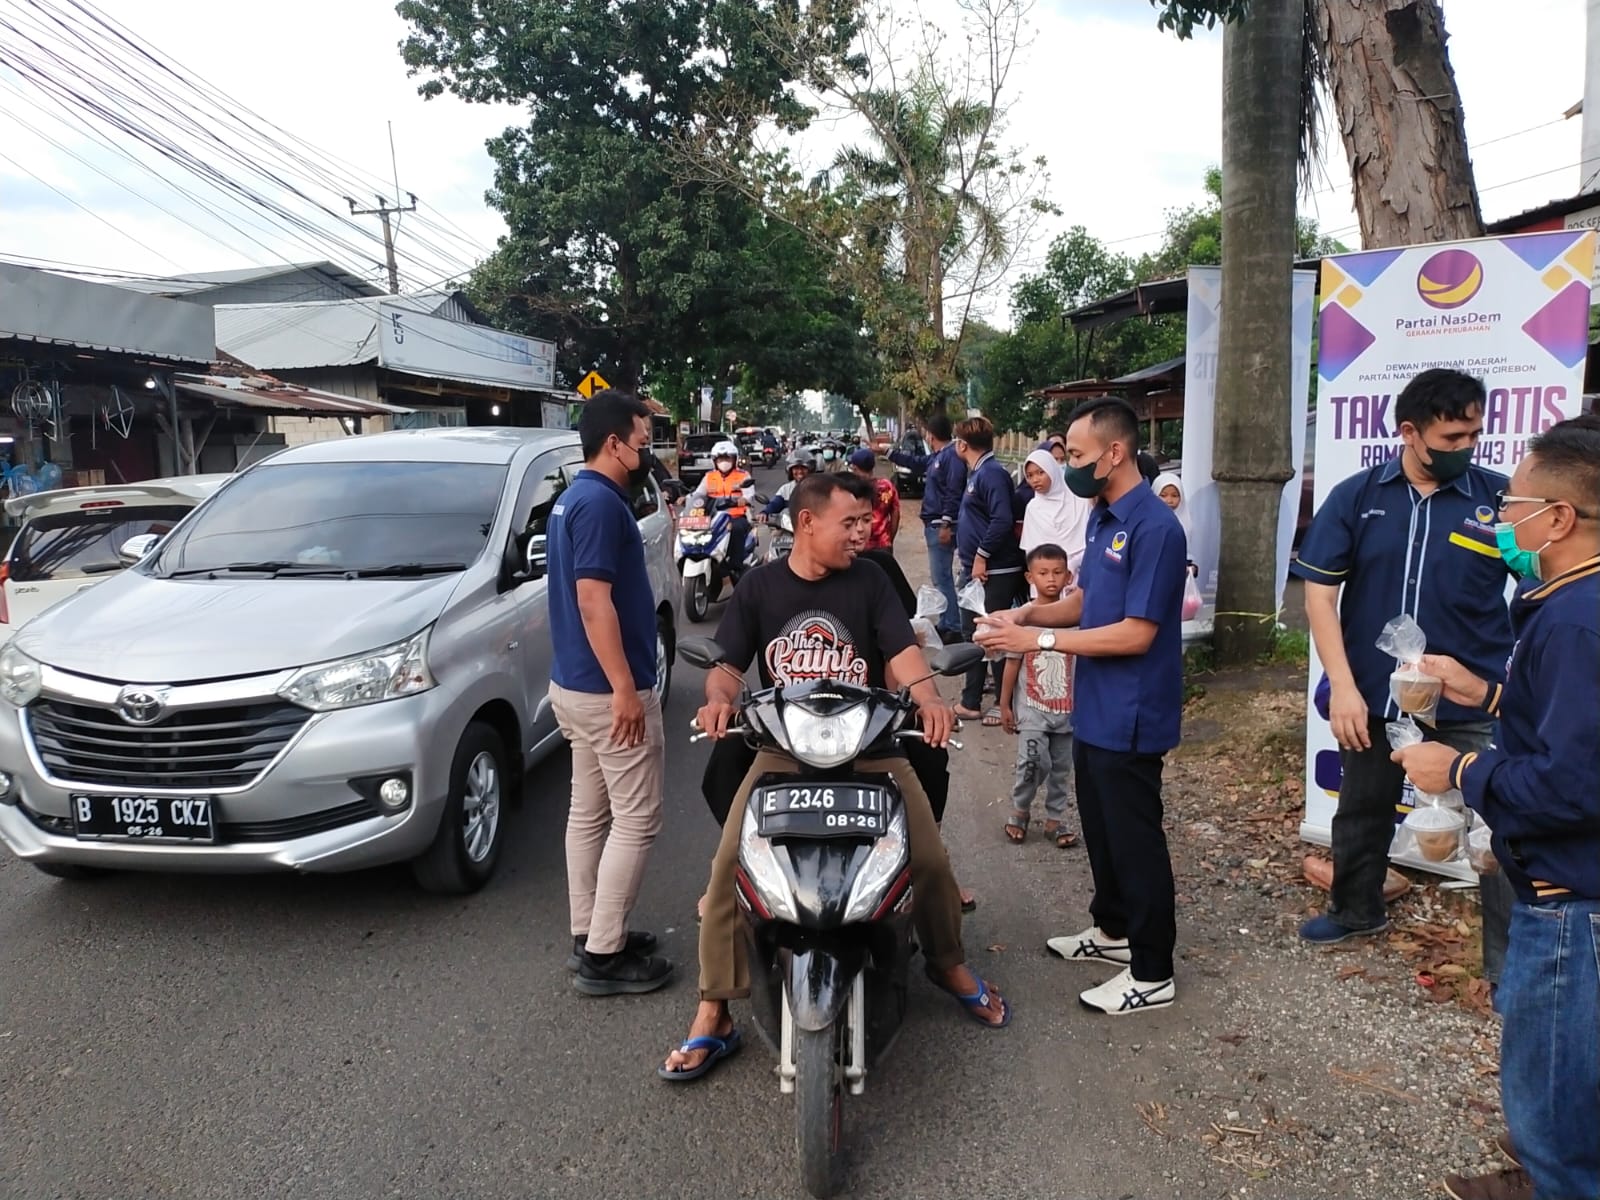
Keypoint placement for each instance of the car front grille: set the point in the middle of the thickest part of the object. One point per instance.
(197, 749)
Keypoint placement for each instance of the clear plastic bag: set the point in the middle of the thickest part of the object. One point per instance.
(930, 602)
(1438, 832)
(970, 597)
(1402, 733)
(1413, 691)
(1193, 601)
(1480, 851)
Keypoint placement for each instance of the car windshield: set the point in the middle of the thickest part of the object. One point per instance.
(701, 444)
(76, 545)
(393, 517)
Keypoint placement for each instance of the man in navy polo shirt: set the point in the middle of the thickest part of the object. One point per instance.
(1128, 609)
(1413, 535)
(603, 626)
(944, 476)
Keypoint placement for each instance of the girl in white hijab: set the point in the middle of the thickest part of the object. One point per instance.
(1054, 515)
(1170, 488)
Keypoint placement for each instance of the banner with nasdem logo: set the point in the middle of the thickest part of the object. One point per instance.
(1513, 311)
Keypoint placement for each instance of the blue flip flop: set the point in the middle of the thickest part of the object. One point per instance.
(720, 1048)
(978, 1000)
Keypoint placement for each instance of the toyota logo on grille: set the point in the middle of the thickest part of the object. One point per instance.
(141, 706)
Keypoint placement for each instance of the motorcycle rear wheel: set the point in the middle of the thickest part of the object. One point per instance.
(819, 1108)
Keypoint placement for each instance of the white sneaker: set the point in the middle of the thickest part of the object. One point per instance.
(1091, 946)
(1125, 994)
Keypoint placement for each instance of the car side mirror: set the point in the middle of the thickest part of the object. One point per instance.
(955, 660)
(534, 558)
(135, 548)
(703, 652)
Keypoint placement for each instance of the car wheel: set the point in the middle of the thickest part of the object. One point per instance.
(472, 827)
(71, 871)
(666, 650)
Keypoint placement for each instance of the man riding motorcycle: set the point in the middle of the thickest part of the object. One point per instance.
(822, 614)
(800, 465)
(728, 482)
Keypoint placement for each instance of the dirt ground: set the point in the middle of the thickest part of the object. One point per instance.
(1363, 1070)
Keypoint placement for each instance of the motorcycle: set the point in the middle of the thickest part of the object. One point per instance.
(702, 555)
(908, 482)
(782, 539)
(824, 889)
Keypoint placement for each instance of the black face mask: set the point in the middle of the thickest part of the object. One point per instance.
(638, 474)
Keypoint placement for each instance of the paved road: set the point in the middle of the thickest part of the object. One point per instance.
(348, 1037)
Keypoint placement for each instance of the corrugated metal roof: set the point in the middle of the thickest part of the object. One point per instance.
(265, 392)
(40, 306)
(192, 282)
(321, 333)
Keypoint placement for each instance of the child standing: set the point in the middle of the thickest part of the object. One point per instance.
(1036, 705)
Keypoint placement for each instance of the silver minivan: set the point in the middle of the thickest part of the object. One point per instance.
(339, 660)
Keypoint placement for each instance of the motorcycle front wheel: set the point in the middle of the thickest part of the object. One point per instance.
(819, 1108)
(696, 601)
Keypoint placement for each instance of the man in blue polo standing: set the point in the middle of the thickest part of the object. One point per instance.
(1128, 646)
(944, 480)
(1412, 535)
(603, 630)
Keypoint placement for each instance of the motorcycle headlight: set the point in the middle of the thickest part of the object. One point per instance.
(386, 674)
(760, 863)
(824, 741)
(20, 676)
(886, 860)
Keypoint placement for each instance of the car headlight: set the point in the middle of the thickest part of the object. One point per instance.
(886, 860)
(760, 863)
(21, 676)
(386, 674)
(824, 741)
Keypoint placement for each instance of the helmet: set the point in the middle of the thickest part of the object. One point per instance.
(798, 460)
(725, 449)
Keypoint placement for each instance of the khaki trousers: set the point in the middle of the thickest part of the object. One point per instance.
(615, 813)
(724, 973)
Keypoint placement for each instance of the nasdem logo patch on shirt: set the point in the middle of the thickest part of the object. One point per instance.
(1119, 542)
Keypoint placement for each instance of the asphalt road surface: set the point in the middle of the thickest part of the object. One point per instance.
(347, 1036)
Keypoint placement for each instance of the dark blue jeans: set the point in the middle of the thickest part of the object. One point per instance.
(1549, 1002)
(942, 571)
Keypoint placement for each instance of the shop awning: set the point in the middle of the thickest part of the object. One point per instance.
(273, 395)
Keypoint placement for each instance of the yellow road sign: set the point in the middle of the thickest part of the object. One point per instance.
(591, 383)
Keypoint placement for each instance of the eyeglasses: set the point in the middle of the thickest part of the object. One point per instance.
(1501, 499)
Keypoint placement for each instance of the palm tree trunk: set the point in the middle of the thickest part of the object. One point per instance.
(1401, 120)
(1261, 64)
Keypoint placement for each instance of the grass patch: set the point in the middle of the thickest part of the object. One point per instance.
(1198, 660)
(1290, 648)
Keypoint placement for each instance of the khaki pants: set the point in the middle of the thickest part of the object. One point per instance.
(724, 973)
(615, 813)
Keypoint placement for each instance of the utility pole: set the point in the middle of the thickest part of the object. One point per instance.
(383, 213)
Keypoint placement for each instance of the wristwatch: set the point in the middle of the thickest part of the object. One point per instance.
(1047, 639)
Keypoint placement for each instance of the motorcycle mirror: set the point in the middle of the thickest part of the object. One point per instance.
(702, 652)
(956, 660)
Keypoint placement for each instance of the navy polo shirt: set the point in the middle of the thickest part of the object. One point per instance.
(1396, 551)
(1134, 565)
(593, 535)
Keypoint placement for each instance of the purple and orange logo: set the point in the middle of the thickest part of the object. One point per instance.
(1449, 279)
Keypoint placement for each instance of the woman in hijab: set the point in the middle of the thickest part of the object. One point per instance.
(1170, 488)
(1054, 514)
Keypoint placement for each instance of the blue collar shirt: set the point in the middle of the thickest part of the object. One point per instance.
(1433, 557)
(1135, 561)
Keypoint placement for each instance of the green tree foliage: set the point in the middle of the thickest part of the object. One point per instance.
(1079, 269)
(633, 268)
(1182, 16)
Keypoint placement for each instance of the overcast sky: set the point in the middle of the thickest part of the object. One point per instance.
(1128, 117)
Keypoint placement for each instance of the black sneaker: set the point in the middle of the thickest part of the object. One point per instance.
(621, 974)
(638, 942)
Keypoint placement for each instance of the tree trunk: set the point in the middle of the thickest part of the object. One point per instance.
(1261, 64)
(1401, 120)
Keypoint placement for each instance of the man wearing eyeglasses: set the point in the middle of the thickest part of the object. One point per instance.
(1413, 535)
(1539, 790)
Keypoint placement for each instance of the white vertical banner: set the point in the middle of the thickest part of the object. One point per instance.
(1512, 311)
(1199, 427)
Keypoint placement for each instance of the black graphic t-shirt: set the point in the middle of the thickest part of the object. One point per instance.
(845, 626)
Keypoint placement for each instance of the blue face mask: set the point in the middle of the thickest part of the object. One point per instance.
(1524, 564)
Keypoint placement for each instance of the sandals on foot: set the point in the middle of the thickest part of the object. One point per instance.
(991, 717)
(977, 1003)
(719, 1047)
(968, 714)
(1017, 829)
(1065, 839)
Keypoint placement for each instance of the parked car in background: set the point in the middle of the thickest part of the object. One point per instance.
(69, 538)
(695, 462)
(341, 661)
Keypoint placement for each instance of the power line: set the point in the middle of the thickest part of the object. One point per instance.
(90, 211)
